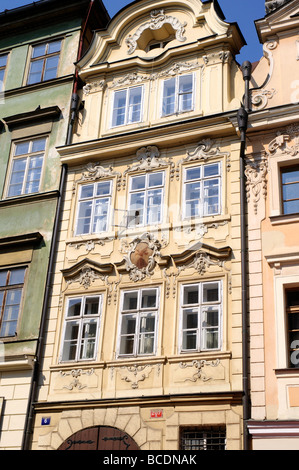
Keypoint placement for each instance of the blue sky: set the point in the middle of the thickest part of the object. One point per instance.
(240, 11)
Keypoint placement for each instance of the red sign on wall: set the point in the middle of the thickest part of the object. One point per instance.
(156, 413)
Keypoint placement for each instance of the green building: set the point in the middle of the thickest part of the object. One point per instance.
(39, 46)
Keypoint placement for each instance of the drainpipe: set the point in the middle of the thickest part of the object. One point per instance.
(242, 117)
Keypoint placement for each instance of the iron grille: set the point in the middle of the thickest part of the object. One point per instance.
(203, 439)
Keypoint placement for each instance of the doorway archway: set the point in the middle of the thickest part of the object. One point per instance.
(99, 438)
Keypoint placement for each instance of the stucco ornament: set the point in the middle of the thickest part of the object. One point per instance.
(140, 256)
(272, 5)
(94, 171)
(157, 21)
(256, 181)
(134, 374)
(199, 365)
(280, 143)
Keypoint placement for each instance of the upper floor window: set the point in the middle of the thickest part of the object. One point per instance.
(178, 94)
(81, 328)
(138, 326)
(202, 185)
(94, 208)
(290, 189)
(3, 63)
(44, 62)
(127, 106)
(11, 289)
(28, 157)
(292, 311)
(146, 199)
(201, 316)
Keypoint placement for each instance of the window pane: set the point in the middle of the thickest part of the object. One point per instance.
(154, 206)
(130, 301)
(211, 292)
(189, 340)
(22, 148)
(211, 170)
(17, 177)
(54, 47)
(193, 173)
(3, 60)
(89, 332)
(190, 318)
(155, 179)
(190, 295)
(70, 341)
(100, 215)
(84, 217)
(103, 189)
(39, 50)
(149, 298)
(38, 145)
(136, 208)
(3, 278)
(290, 176)
(119, 108)
(35, 74)
(138, 182)
(291, 207)
(92, 306)
(185, 93)
(86, 191)
(127, 334)
(16, 276)
(74, 307)
(291, 191)
(147, 334)
(51, 67)
(34, 175)
(134, 104)
(211, 197)
(168, 106)
(11, 313)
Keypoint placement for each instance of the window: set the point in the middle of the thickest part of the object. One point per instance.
(3, 63)
(178, 95)
(44, 62)
(81, 328)
(28, 157)
(94, 208)
(11, 289)
(202, 190)
(290, 190)
(146, 199)
(292, 310)
(138, 327)
(200, 317)
(203, 439)
(127, 106)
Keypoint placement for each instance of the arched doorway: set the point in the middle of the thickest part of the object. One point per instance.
(99, 438)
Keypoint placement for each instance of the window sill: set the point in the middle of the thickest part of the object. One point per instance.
(17, 363)
(284, 219)
(287, 372)
(28, 198)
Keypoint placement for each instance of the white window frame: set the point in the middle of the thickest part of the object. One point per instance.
(146, 190)
(138, 312)
(28, 156)
(201, 306)
(81, 319)
(177, 109)
(127, 120)
(203, 212)
(94, 198)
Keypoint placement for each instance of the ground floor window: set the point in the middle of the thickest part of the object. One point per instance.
(197, 438)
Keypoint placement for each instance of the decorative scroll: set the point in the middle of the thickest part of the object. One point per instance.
(94, 171)
(199, 365)
(204, 151)
(201, 262)
(136, 374)
(75, 373)
(149, 159)
(260, 99)
(157, 21)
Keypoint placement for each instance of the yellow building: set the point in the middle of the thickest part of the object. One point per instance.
(272, 172)
(143, 346)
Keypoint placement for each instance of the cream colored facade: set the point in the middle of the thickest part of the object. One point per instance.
(154, 393)
(273, 244)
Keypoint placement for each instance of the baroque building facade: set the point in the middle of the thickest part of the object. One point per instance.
(272, 172)
(143, 339)
(39, 44)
